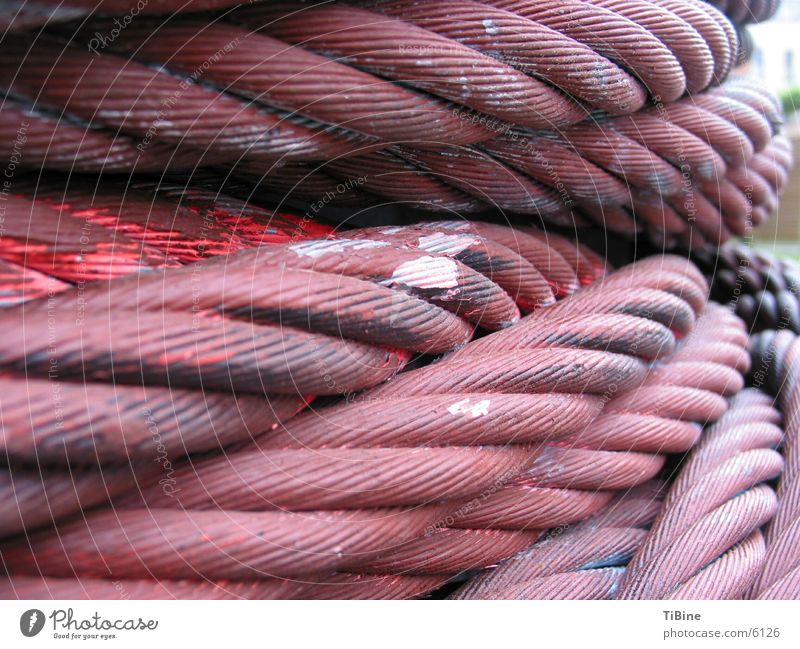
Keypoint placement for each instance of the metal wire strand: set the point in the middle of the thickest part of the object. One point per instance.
(779, 576)
(719, 497)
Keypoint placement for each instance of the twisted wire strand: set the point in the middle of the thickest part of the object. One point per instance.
(683, 40)
(273, 72)
(718, 496)
(455, 72)
(181, 350)
(87, 588)
(163, 219)
(186, 223)
(610, 453)
(299, 480)
(606, 455)
(652, 62)
(779, 577)
(362, 102)
(307, 183)
(586, 561)
(394, 178)
(429, 277)
(588, 264)
(532, 507)
(574, 557)
(18, 284)
(26, 14)
(523, 280)
(552, 505)
(586, 584)
(188, 381)
(74, 231)
(168, 543)
(564, 264)
(222, 313)
(178, 419)
(673, 173)
(550, 483)
(463, 406)
(527, 45)
(411, 556)
(762, 289)
(30, 501)
(450, 551)
(747, 11)
(62, 145)
(714, 28)
(36, 237)
(142, 102)
(339, 585)
(466, 169)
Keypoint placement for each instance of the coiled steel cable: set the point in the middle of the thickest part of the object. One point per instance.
(126, 385)
(452, 548)
(157, 316)
(677, 168)
(763, 290)
(779, 577)
(384, 126)
(720, 497)
(588, 560)
(137, 100)
(670, 406)
(26, 14)
(75, 231)
(747, 11)
(272, 72)
(38, 238)
(383, 533)
(18, 283)
(581, 561)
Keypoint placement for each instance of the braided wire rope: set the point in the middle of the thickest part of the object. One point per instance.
(779, 576)
(401, 100)
(582, 561)
(575, 113)
(623, 448)
(763, 289)
(192, 359)
(287, 514)
(719, 496)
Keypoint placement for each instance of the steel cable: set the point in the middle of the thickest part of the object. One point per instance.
(555, 505)
(762, 289)
(409, 132)
(779, 576)
(192, 368)
(718, 496)
(573, 475)
(747, 11)
(588, 560)
(75, 231)
(580, 561)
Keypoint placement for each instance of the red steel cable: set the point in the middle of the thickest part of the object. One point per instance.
(779, 578)
(561, 505)
(719, 497)
(567, 560)
(668, 169)
(426, 60)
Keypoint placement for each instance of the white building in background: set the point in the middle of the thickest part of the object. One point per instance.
(776, 53)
